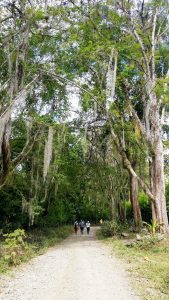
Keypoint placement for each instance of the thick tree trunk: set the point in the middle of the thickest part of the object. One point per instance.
(134, 201)
(5, 151)
(159, 211)
(152, 131)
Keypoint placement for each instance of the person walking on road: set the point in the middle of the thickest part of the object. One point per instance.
(101, 221)
(76, 226)
(88, 227)
(82, 225)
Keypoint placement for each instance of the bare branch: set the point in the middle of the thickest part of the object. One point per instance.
(64, 79)
(26, 150)
(22, 94)
(153, 42)
(4, 86)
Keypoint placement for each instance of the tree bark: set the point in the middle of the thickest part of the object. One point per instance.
(152, 115)
(134, 201)
(159, 208)
(6, 153)
(159, 211)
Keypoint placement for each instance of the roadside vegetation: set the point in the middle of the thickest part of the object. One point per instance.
(145, 255)
(19, 246)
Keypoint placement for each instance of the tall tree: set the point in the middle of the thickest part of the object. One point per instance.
(147, 24)
(136, 32)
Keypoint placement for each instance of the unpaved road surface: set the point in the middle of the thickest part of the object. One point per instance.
(79, 268)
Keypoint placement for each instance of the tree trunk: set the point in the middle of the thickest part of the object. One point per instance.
(159, 211)
(134, 201)
(5, 150)
(113, 208)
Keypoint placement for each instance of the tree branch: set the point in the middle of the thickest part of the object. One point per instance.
(153, 42)
(26, 150)
(128, 165)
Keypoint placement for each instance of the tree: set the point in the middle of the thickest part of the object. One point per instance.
(114, 53)
(146, 25)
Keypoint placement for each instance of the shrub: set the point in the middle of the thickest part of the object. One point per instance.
(14, 245)
(145, 206)
(129, 212)
(146, 243)
(152, 227)
(110, 228)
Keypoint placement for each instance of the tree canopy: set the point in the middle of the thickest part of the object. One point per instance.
(109, 161)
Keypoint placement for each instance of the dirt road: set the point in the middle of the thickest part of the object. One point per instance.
(80, 268)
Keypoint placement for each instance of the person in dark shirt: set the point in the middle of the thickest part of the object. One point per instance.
(76, 227)
(82, 225)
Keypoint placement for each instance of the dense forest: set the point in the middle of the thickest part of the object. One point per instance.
(106, 157)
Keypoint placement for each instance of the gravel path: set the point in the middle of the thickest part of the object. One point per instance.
(79, 268)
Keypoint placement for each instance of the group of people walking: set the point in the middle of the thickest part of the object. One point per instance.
(82, 226)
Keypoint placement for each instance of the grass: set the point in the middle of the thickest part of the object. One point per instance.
(148, 264)
(36, 243)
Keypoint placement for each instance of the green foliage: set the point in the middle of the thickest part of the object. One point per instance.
(20, 246)
(145, 206)
(148, 263)
(41, 238)
(153, 226)
(15, 238)
(11, 205)
(129, 213)
(146, 243)
(110, 228)
(14, 246)
(84, 173)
